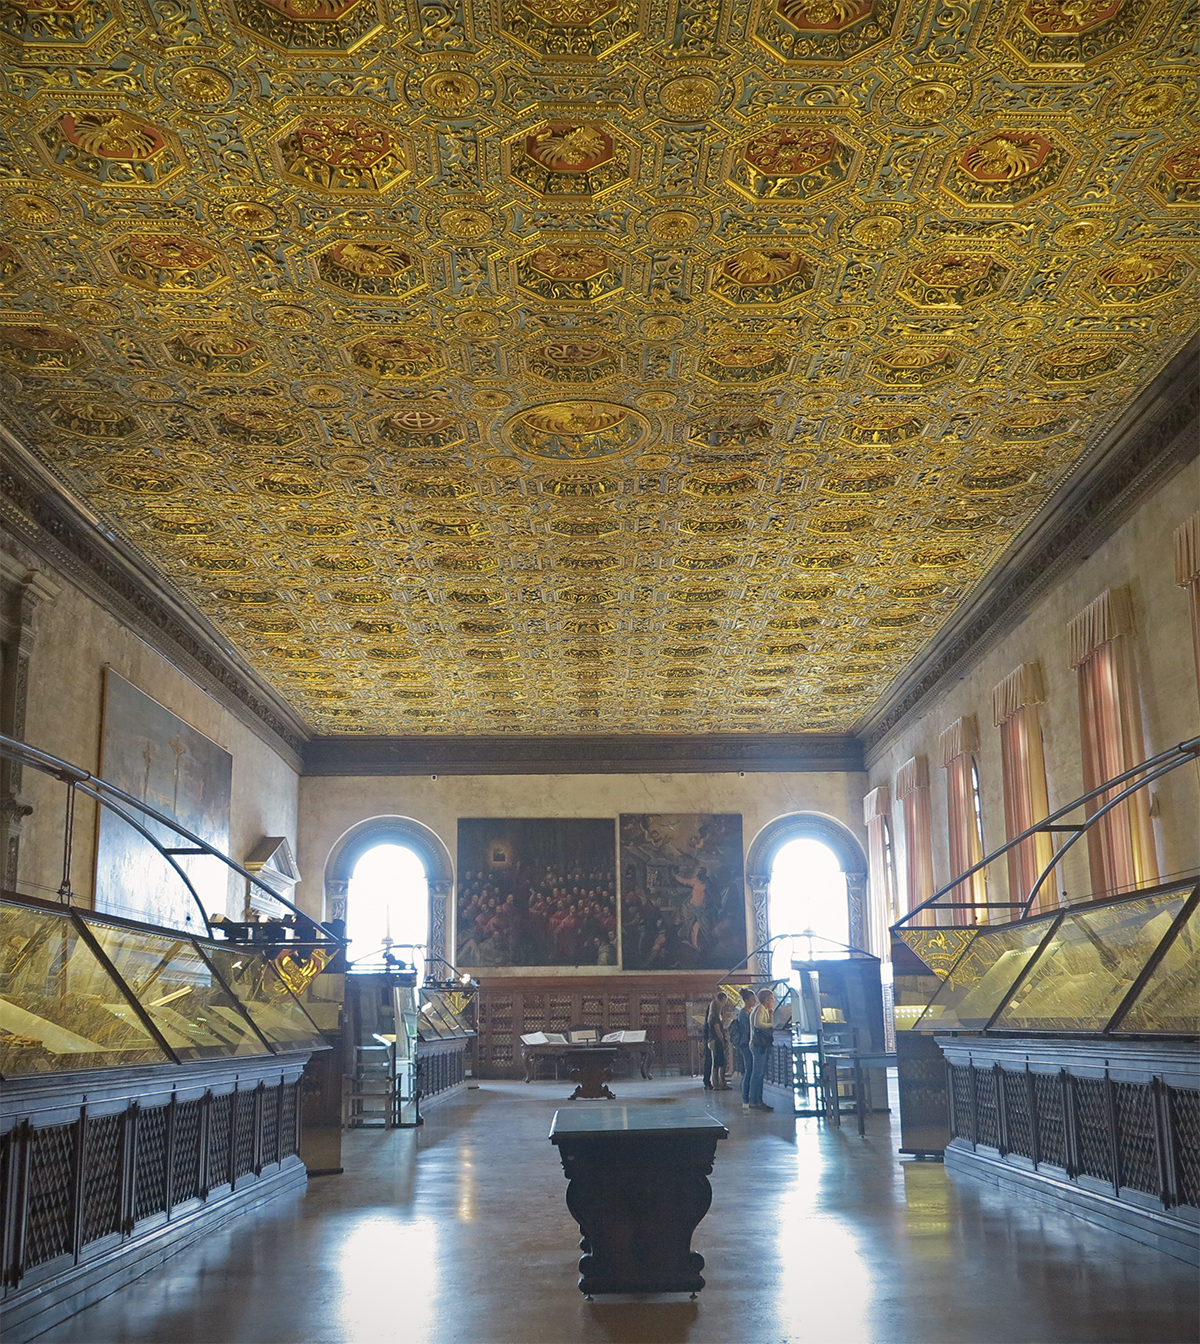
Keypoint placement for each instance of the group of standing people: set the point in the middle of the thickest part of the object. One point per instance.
(746, 1033)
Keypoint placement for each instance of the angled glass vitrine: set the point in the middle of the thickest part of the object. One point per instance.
(80, 991)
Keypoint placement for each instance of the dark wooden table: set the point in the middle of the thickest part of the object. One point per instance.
(637, 1186)
(530, 1054)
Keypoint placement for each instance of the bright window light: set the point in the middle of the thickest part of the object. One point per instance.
(808, 892)
(388, 900)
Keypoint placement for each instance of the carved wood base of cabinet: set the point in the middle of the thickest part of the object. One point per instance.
(638, 1196)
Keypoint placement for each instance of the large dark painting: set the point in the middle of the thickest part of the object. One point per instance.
(152, 754)
(534, 892)
(683, 891)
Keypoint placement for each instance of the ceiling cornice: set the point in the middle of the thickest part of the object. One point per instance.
(632, 754)
(1155, 438)
(38, 511)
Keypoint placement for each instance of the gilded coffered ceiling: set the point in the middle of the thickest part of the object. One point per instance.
(592, 365)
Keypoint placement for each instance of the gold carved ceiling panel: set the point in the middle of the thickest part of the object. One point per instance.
(586, 365)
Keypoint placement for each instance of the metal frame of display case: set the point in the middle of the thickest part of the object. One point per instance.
(1039, 934)
(124, 805)
(239, 1024)
(1126, 784)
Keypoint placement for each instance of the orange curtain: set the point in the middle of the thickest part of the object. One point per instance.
(1023, 763)
(1187, 576)
(877, 807)
(912, 789)
(1121, 850)
(958, 743)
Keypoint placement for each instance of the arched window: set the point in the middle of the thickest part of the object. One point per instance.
(807, 895)
(807, 871)
(387, 908)
(374, 876)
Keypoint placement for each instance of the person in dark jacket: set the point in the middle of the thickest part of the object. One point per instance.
(715, 1041)
(739, 1041)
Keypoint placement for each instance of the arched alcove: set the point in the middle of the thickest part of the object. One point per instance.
(428, 846)
(828, 831)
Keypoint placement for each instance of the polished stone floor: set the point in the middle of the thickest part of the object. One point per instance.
(458, 1234)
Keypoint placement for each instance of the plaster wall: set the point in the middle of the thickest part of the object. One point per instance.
(76, 637)
(1139, 554)
(331, 805)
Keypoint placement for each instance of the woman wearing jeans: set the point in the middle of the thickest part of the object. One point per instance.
(762, 1037)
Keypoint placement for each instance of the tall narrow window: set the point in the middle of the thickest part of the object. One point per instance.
(889, 857)
(1015, 710)
(1187, 575)
(387, 907)
(912, 791)
(807, 894)
(1121, 845)
(959, 743)
(877, 807)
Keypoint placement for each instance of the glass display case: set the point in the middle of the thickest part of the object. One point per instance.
(78, 991)
(60, 1008)
(1089, 966)
(1168, 1002)
(441, 1018)
(261, 990)
(196, 1015)
(985, 971)
(1127, 966)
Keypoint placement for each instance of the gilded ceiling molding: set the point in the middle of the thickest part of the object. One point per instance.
(38, 514)
(716, 753)
(585, 367)
(1154, 439)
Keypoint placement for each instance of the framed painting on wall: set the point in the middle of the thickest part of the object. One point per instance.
(153, 755)
(536, 892)
(683, 891)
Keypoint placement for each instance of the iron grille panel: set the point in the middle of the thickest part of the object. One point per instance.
(150, 1164)
(102, 1177)
(220, 1147)
(960, 1093)
(1091, 1122)
(270, 1125)
(51, 1188)
(185, 1169)
(779, 1066)
(1185, 1113)
(1016, 1113)
(986, 1108)
(1135, 1135)
(7, 1142)
(287, 1124)
(1052, 1136)
(243, 1142)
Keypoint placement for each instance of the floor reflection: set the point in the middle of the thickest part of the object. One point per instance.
(458, 1233)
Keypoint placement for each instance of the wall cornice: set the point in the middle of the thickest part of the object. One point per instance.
(714, 753)
(37, 511)
(1155, 438)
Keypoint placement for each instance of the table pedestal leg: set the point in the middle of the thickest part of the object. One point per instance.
(637, 1202)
